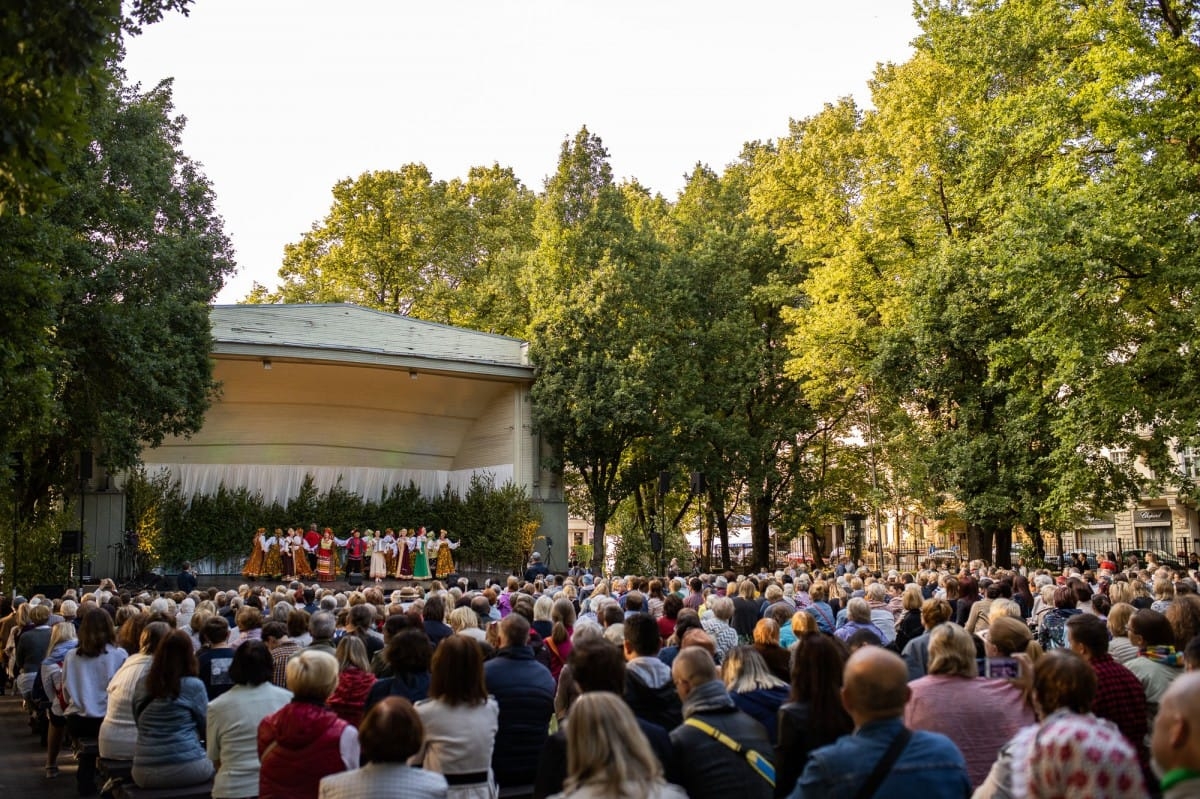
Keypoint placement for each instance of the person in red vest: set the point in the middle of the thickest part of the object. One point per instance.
(355, 549)
(311, 539)
(305, 741)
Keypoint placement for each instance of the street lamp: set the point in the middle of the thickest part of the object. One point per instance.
(854, 521)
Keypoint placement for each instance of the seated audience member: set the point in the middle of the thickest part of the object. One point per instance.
(766, 643)
(460, 719)
(304, 741)
(408, 654)
(215, 657)
(648, 688)
(875, 693)
(390, 735)
(170, 709)
(753, 688)
(118, 733)
(1157, 664)
(980, 715)
(1175, 741)
(595, 665)
(709, 767)
(87, 670)
(1119, 695)
(813, 716)
(233, 719)
(524, 689)
(1070, 752)
(608, 756)
(916, 651)
(355, 680)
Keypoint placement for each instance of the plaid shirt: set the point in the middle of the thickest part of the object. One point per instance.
(282, 653)
(1121, 699)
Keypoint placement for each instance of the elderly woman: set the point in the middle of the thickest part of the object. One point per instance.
(305, 741)
(1119, 646)
(858, 617)
(909, 626)
(1071, 752)
(233, 719)
(170, 709)
(978, 714)
(717, 624)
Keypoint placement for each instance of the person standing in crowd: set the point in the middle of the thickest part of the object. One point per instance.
(753, 688)
(1175, 742)
(186, 579)
(232, 723)
(1070, 752)
(356, 548)
(170, 709)
(87, 670)
(460, 720)
(327, 557)
(916, 651)
(717, 625)
(390, 736)
(536, 569)
(608, 756)
(304, 741)
(445, 556)
(924, 764)
(379, 557)
(524, 690)
(721, 751)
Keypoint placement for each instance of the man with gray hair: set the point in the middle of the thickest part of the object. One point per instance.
(322, 627)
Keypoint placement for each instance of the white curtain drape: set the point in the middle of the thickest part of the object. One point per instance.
(282, 483)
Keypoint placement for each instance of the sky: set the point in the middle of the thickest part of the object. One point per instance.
(284, 98)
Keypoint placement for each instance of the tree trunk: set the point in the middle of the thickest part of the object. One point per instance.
(598, 542)
(760, 532)
(1004, 537)
(979, 542)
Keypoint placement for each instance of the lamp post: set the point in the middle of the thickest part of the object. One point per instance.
(854, 521)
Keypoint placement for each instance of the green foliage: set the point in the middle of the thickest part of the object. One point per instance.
(487, 521)
(38, 560)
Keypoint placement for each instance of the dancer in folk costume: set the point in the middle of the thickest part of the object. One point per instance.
(445, 560)
(327, 559)
(258, 554)
(311, 539)
(299, 555)
(404, 547)
(379, 565)
(389, 552)
(356, 547)
(273, 565)
(420, 557)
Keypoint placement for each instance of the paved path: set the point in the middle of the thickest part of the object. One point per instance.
(23, 760)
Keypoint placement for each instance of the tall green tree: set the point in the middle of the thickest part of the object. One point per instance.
(596, 339)
(131, 255)
(402, 242)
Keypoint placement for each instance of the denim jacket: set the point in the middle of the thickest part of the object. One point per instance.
(930, 765)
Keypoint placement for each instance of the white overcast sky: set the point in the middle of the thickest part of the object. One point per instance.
(283, 98)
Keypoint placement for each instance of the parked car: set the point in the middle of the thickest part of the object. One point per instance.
(1163, 558)
(943, 558)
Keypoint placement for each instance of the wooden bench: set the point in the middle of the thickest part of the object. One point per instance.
(127, 790)
(115, 769)
(85, 747)
(516, 792)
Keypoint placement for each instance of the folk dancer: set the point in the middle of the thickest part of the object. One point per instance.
(404, 546)
(273, 565)
(445, 560)
(379, 553)
(311, 539)
(420, 557)
(298, 553)
(327, 559)
(356, 547)
(258, 554)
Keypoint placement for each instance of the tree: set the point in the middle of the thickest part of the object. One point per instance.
(53, 56)
(131, 254)
(402, 242)
(600, 348)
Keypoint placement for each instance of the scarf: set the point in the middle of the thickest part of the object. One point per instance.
(1165, 655)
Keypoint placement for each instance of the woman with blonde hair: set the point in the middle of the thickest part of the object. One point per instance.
(1009, 636)
(1121, 591)
(766, 643)
(980, 715)
(62, 641)
(1119, 645)
(753, 688)
(608, 756)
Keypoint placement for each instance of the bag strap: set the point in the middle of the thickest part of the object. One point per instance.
(762, 767)
(885, 764)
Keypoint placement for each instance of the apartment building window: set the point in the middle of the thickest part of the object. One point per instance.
(1190, 457)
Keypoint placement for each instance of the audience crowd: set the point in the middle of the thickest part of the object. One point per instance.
(798, 683)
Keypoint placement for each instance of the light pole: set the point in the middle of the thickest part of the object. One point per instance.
(854, 522)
